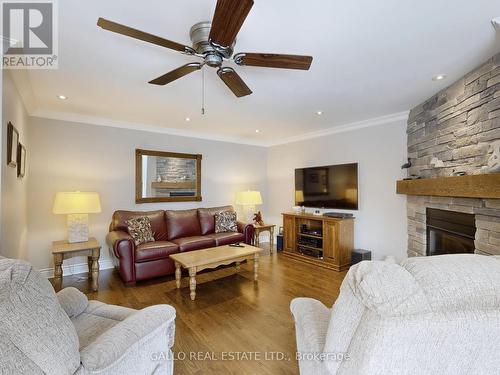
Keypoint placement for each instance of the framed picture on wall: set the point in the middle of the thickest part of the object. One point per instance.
(12, 142)
(21, 161)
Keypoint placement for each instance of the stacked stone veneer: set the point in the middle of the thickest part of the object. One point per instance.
(456, 126)
(176, 169)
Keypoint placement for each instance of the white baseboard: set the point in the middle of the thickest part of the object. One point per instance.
(73, 269)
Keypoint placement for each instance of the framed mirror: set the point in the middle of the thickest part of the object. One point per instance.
(167, 177)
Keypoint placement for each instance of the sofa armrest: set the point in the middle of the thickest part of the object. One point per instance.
(122, 342)
(119, 241)
(248, 230)
(122, 245)
(72, 301)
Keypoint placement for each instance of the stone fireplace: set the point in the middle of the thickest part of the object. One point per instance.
(454, 132)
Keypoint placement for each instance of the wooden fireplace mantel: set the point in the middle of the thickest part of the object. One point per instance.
(473, 186)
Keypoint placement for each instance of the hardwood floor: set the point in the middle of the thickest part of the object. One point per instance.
(231, 315)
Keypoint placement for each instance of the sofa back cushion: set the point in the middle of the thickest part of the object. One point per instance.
(207, 218)
(38, 335)
(182, 223)
(157, 219)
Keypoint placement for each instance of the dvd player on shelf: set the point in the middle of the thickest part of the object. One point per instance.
(339, 215)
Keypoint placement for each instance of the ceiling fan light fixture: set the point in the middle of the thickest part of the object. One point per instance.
(188, 119)
(319, 113)
(62, 97)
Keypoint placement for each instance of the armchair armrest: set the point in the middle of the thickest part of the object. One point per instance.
(311, 324)
(248, 230)
(151, 329)
(72, 301)
(122, 246)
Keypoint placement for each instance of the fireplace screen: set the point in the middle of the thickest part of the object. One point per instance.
(450, 232)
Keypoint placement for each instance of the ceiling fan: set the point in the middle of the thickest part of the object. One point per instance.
(214, 42)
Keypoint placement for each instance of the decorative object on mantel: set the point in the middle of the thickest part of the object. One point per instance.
(248, 199)
(412, 177)
(485, 186)
(257, 218)
(494, 160)
(437, 163)
(21, 161)
(167, 176)
(77, 205)
(12, 142)
(298, 210)
(406, 165)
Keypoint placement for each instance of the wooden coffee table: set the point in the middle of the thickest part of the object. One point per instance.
(213, 257)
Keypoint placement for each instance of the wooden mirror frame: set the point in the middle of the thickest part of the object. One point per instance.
(138, 176)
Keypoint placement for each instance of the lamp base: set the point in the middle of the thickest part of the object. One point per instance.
(78, 228)
(249, 211)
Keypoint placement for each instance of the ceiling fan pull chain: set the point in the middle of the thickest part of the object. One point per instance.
(203, 90)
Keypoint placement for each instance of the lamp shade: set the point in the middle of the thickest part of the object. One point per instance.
(77, 202)
(248, 198)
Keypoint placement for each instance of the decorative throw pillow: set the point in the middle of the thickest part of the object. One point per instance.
(140, 230)
(225, 222)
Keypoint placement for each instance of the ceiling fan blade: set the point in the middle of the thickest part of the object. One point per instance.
(176, 74)
(234, 82)
(272, 60)
(141, 35)
(227, 21)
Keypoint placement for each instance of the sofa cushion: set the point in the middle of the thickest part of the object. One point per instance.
(183, 223)
(140, 230)
(155, 250)
(157, 219)
(227, 238)
(225, 222)
(207, 218)
(194, 243)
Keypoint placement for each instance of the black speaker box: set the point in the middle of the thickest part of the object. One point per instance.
(359, 255)
(279, 242)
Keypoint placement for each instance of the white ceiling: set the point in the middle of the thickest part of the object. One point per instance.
(371, 58)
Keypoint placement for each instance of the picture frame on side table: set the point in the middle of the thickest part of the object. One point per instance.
(21, 161)
(12, 143)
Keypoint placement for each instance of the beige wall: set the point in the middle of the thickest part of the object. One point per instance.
(69, 156)
(380, 224)
(14, 191)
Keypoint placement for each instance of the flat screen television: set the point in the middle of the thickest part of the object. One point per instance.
(332, 186)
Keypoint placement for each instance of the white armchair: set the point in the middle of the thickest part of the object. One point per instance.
(429, 315)
(45, 333)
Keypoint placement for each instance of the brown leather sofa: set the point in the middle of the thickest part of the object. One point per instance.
(173, 231)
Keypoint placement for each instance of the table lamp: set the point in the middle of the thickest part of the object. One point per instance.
(249, 199)
(77, 205)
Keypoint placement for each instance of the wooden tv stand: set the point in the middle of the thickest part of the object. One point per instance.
(334, 238)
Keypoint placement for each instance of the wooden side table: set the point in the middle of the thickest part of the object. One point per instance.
(64, 250)
(263, 228)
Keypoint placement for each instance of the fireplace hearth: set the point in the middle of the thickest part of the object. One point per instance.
(450, 232)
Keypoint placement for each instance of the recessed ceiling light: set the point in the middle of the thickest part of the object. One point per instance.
(319, 113)
(188, 119)
(439, 77)
(257, 130)
(62, 97)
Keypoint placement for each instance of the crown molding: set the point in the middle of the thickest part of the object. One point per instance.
(101, 121)
(376, 121)
(77, 118)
